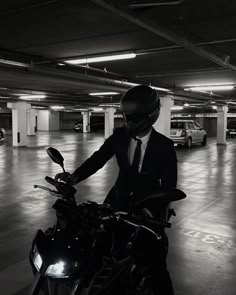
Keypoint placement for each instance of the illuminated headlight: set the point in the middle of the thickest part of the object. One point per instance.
(37, 259)
(57, 270)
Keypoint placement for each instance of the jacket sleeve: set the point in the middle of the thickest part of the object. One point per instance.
(96, 161)
(169, 169)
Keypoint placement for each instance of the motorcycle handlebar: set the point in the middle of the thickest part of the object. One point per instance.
(136, 220)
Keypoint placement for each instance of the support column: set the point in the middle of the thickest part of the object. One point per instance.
(86, 121)
(221, 124)
(162, 124)
(19, 123)
(31, 122)
(109, 121)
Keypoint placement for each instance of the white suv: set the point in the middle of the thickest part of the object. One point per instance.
(187, 132)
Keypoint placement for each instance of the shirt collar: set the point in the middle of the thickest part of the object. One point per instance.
(145, 138)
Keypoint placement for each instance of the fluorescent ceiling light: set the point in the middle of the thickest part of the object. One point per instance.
(115, 105)
(56, 108)
(103, 93)
(177, 108)
(32, 96)
(13, 63)
(210, 88)
(97, 110)
(214, 107)
(160, 89)
(136, 84)
(231, 102)
(100, 58)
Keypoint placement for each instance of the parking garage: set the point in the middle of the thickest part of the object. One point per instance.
(187, 56)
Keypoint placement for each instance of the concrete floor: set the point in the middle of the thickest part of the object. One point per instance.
(202, 256)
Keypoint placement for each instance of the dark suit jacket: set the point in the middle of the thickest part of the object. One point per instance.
(159, 169)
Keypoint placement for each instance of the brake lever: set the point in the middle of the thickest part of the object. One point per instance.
(54, 193)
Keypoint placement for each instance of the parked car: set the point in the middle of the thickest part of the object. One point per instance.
(96, 124)
(2, 133)
(231, 129)
(187, 132)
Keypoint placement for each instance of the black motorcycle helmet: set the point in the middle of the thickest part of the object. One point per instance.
(140, 106)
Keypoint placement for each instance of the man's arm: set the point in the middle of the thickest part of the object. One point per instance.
(95, 162)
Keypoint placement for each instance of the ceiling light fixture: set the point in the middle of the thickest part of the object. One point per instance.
(100, 58)
(57, 108)
(97, 110)
(161, 89)
(177, 108)
(103, 93)
(136, 84)
(210, 88)
(13, 63)
(32, 96)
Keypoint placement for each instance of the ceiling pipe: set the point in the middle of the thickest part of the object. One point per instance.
(165, 33)
(65, 78)
(154, 4)
(178, 73)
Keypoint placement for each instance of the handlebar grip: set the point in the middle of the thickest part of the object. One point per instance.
(51, 180)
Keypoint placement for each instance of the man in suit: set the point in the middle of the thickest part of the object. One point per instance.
(147, 164)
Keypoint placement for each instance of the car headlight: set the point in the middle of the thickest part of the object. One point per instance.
(37, 259)
(57, 270)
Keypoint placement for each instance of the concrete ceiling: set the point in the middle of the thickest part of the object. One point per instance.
(178, 44)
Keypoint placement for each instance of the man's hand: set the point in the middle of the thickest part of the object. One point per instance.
(66, 177)
(147, 213)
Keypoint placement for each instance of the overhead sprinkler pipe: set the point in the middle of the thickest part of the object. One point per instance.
(154, 4)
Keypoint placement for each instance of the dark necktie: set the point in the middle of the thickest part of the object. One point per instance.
(137, 155)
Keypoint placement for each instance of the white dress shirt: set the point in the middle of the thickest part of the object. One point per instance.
(132, 147)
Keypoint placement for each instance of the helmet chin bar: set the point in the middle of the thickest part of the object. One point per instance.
(140, 128)
(143, 126)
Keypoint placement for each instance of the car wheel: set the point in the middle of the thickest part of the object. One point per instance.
(1, 135)
(204, 141)
(189, 143)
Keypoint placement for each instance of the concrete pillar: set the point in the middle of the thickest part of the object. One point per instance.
(162, 124)
(109, 120)
(19, 123)
(31, 122)
(221, 124)
(48, 120)
(86, 121)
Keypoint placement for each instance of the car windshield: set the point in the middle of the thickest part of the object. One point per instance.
(177, 125)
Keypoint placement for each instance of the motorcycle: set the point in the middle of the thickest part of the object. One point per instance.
(94, 249)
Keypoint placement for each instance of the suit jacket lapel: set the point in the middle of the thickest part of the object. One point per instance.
(124, 150)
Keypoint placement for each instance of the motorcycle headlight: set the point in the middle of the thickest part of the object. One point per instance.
(37, 259)
(57, 270)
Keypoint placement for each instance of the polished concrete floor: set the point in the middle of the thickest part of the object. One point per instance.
(202, 255)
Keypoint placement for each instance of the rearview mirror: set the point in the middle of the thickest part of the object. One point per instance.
(56, 156)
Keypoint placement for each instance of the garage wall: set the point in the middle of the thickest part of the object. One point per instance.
(6, 120)
(68, 119)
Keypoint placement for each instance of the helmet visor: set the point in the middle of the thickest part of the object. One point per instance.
(135, 118)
